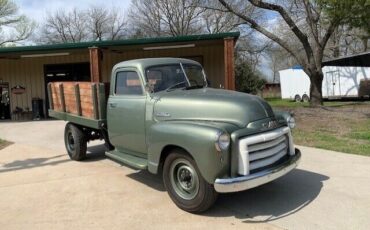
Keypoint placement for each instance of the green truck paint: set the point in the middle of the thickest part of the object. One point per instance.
(162, 106)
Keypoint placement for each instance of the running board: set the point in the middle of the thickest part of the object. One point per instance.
(133, 161)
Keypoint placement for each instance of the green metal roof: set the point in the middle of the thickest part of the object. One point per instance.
(142, 41)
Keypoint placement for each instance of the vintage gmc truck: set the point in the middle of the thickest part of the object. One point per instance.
(161, 116)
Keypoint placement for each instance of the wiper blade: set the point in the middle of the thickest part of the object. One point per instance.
(194, 87)
(175, 85)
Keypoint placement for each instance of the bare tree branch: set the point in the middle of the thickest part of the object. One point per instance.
(19, 28)
(300, 35)
(253, 24)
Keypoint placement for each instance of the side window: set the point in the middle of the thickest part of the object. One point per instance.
(154, 78)
(128, 83)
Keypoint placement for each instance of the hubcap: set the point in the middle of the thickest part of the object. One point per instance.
(184, 179)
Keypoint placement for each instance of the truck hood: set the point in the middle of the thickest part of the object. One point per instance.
(209, 104)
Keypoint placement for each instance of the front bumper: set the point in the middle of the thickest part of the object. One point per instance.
(237, 184)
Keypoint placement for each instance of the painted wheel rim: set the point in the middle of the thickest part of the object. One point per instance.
(184, 179)
(70, 142)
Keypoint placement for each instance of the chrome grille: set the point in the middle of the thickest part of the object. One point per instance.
(264, 149)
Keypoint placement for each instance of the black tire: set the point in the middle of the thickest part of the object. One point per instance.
(297, 98)
(75, 142)
(201, 199)
(305, 98)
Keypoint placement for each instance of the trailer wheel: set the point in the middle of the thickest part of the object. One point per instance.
(75, 142)
(297, 98)
(305, 98)
(185, 185)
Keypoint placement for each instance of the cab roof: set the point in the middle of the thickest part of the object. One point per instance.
(146, 62)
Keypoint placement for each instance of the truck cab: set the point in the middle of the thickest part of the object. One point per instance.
(162, 116)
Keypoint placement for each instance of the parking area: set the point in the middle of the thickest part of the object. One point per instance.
(40, 188)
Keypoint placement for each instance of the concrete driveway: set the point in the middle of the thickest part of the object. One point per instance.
(40, 188)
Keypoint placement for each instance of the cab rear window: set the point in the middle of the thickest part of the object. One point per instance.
(128, 83)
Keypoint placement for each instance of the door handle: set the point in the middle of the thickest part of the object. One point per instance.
(113, 105)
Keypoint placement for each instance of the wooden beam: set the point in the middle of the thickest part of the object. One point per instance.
(229, 63)
(95, 70)
(95, 101)
(50, 95)
(61, 95)
(78, 99)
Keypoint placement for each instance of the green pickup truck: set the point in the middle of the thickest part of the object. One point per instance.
(159, 115)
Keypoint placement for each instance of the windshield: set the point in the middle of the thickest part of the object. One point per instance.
(169, 77)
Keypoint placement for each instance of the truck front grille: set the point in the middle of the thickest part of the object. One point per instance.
(261, 150)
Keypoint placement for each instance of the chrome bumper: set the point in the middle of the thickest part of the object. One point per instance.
(237, 184)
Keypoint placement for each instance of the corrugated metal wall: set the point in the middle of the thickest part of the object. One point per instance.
(29, 72)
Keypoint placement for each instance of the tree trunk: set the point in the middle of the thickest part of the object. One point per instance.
(316, 88)
(364, 42)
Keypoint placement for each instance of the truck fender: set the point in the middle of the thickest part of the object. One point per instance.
(197, 139)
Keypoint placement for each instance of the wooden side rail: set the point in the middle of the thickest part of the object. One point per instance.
(83, 99)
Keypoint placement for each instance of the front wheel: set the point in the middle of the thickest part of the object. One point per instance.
(185, 185)
(297, 98)
(75, 142)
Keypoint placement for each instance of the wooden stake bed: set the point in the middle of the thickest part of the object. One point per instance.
(83, 103)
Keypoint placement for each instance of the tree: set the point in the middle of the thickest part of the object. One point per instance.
(14, 27)
(146, 19)
(307, 24)
(278, 59)
(95, 23)
(247, 80)
(64, 26)
(354, 33)
(218, 21)
(104, 24)
(166, 17)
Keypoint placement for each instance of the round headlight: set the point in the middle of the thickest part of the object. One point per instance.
(223, 141)
(291, 122)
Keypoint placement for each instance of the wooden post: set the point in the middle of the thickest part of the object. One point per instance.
(78, 99)
(50, 95)
(229, 63)
(95, 101)
(61, 95)
(95, 70)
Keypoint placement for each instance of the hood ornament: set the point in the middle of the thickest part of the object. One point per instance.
(270, 125)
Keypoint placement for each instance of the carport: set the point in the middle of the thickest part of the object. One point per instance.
(360, 63)
(25, 71)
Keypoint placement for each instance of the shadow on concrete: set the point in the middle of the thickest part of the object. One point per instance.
(153, 181)
(271, 201)
(95, 153)
(32, 163)
(27, 121)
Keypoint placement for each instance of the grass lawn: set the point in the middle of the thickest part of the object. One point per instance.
(338, 126)
(277, 102)
(3, 144)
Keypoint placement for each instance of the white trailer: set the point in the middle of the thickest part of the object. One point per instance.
(338, 82)
(294, 84)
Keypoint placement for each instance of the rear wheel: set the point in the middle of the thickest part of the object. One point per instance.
(305, 98)
(185, 185)
(75, 142)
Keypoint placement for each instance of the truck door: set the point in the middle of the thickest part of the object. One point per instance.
(126, 112)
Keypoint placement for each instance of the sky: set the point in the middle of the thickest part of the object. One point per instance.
(38, 9)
